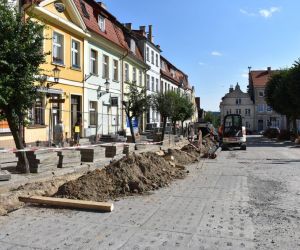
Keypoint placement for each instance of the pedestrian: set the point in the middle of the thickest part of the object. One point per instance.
(59, 134)
(77, 132)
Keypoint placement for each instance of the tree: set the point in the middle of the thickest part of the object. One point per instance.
(277, 94)
(21, 54)
(163, 103)
(137, 103)
(183, 110)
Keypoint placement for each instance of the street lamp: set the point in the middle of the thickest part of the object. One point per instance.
(56, 72)
(101, 92)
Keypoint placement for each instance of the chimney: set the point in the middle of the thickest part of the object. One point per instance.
(158, 46)
(150, 36)
(143, 28)
(231, 89)
(128, 26)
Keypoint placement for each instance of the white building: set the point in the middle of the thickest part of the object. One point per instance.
(238, 102)
(151, 55)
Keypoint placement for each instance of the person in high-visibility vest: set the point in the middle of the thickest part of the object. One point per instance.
(77, 133)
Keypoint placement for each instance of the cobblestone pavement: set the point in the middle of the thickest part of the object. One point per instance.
(241, 200)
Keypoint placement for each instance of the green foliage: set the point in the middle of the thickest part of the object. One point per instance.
(183, 109)
(21, 54)
(137, 102)
(213, 118)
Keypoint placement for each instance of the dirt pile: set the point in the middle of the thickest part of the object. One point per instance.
(180, 157)
(136, 173)
(190, 149)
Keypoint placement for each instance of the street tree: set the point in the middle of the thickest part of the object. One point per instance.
(136, 103)
(164, 104)
(21, 54)
(277, 94)
(183, 110)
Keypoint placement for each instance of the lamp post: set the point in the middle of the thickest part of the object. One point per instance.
(101, 93)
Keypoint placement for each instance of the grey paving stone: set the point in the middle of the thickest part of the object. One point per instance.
(215, 243)
(7, 246)
(178, 215)
(226, 219)
(148, 239)
(94, 236)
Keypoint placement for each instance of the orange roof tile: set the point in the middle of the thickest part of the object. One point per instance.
(261, 77)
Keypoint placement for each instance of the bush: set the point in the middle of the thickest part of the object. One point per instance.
(284, 135)
(271, 133)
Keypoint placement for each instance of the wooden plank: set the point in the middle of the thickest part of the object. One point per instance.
(91, 205)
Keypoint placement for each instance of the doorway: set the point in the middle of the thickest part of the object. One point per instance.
(76, 114)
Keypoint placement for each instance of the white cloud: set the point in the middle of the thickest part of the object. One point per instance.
(267, 13)
(201, 63)
(216, 53)
(245, 75)
(247, 13)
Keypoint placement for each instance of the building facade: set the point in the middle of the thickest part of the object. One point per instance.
(264, 115)
(238, 102)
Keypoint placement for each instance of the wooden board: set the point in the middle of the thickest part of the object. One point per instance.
(91, 205)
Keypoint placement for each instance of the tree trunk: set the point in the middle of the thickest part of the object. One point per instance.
(131, 128)
(174, 128)
(295, 130)
(288, 125)
(182, 127)
(163, 129)
(18, 141)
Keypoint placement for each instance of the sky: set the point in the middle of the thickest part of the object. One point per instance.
(215, 41)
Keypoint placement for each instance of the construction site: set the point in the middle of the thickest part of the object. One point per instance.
(99, 173)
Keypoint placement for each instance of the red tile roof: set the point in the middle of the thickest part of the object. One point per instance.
(179, 76)
(260, 77)
(113, 28)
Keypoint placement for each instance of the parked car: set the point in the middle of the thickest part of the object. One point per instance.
(271, 132)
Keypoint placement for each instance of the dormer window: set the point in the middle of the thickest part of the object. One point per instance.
(101, 23)
(132, 46)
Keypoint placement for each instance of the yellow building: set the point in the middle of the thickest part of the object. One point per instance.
(62, 76)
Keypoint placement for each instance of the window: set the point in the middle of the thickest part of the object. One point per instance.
(248, 125)
(134, 74)
(148, 82)
(105, 69)
(157, 89)
(93, 113)
(152, 84)
(152, 56)
(248, 112)
(116, 70)
(140, 78)
(156, 60)
(58, 48)
(147, 54)
(172, 72)
(94, 62)
(161, 86)
(75, 54)
(126, 72)
(114, 101)
(132, 46)
(238, 101)
(238, 111)
(84, 11)
(166, 87)
(37, 113)
(269, 109)
(261, 93)
(260, 108)
(101, 23)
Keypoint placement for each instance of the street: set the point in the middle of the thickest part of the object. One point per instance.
(240, 200)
